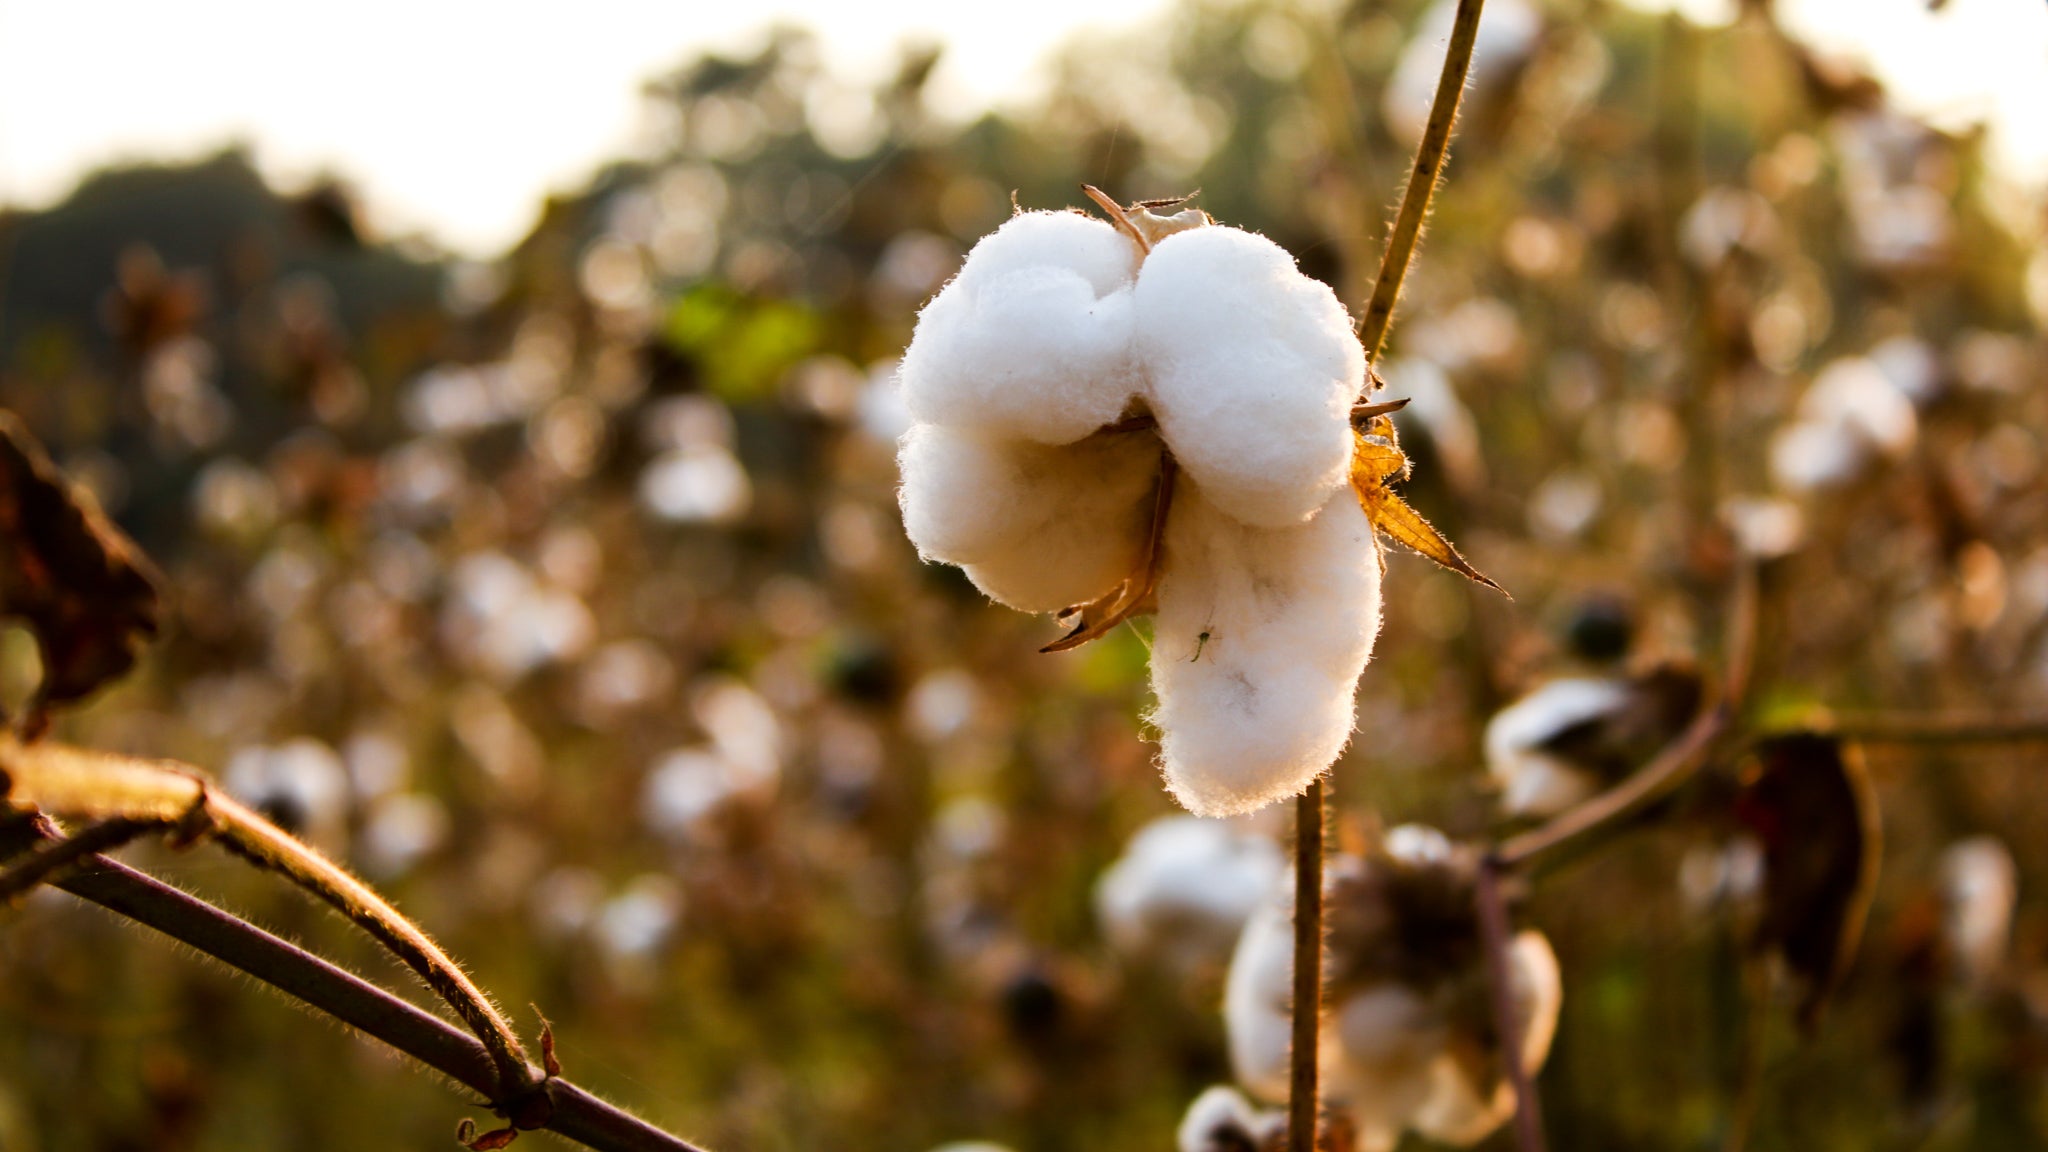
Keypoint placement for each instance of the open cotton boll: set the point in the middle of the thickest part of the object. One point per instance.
(1254, 368)
(1979, 888)
(1222, 1120)
(1533, 782)
(1184, 888)
(1807, 456)
(1506, 38)
(1261, 636)
(1036, 528)
(1257, 995)
(1390, 1040)
(1457, 1111)
(1033, 338)
(1855, 393)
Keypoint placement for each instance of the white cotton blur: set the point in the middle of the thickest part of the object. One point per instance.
(1033, 337)
(1254, 368)
(1533, 782)
(1037, 528)
(1261, 636)
(1257, 995)
(1852, 413)
(1184, 887)
(1506, 38)
(1457, 1111)
(1222, 1120)
(1979, 888)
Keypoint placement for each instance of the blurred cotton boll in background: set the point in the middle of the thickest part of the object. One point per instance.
(1979, 889)
(1222, 1120)
(300, 785)
(1408, 1002)
(1853, 413)
(1184, 887)
(1572, 737)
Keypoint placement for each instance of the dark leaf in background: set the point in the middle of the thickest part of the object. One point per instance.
(1810, 804)
(80, 584)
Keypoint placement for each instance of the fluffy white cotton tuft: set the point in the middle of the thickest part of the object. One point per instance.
(1979, 888)
(1222, 1120)
(1184, 888)
(1854, 411)
(1257, 994)
(1033, 337)
(1254, 368)
(1533, 782)
(1261, 636)
(1461, 1113)
(1037, 528)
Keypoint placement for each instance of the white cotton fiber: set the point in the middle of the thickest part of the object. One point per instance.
(1258, 993)
(1457, 1111)
(1391, 1041)
(1033, 338)
(1253, 368)
(1184, 888)
(1037, 528)
(1222, 1120)
(1261, 637)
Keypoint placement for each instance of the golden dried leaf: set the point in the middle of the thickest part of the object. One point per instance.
(1810, 803)
(1377, 458)
(1135, 595)
(82, 586)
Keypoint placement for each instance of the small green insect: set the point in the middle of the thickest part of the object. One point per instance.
(1201, 642)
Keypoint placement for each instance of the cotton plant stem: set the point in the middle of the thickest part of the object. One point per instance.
(1422, 180)
(1494, 933)
(557, 1105)
(51, 860)
(98, 785)
(1304, 1094)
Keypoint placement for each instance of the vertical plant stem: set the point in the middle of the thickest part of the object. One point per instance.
(1304, 1096)
(1422, 178)
(1493, 930)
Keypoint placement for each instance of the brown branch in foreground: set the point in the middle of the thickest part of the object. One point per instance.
(555, 1105)
(1304, 1093)
(1494, 934)
(50, 860)
(1422, 178)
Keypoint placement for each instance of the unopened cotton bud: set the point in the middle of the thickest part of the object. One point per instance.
(1261, 637)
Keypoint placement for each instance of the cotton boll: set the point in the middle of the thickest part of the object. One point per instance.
(1390, 1039)
(1856, 394)
(1256, 997)
(1036, 528)
(1222, 1120)
(1812, 457)
(1254, 368)
(1506, 38)
(1461, 1113)
(1262, 705)
(1979, 886)
(1184, 888)
(1033, 338)
(1533, 782)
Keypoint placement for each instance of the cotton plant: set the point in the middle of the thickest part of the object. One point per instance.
(1184, 887)
(1162, 415)
(1569, 738)
(1411, 1043)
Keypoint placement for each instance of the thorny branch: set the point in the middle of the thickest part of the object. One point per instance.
(553, 1104)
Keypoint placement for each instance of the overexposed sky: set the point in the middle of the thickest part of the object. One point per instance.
(457, 116)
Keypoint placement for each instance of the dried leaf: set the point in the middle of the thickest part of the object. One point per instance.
(1135, 595)
(1810, 803)
(82, 586)
(1377, 458)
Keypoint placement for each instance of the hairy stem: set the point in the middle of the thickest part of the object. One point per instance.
(105, 786)
(555, 1105)
(1494, 933)
(51, 860)
(1304, 1095)
(1422, 179)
